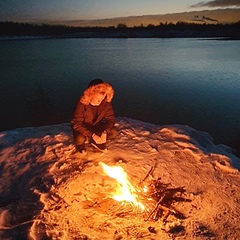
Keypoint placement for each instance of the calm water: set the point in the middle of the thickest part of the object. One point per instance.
(164, 81)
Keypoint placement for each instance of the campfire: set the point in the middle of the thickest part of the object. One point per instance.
(157, 199)
(113, 200)
(125, 192)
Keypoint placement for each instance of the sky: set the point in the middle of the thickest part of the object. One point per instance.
(30, 10)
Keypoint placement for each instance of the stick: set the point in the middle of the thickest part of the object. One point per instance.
(151, 213)
(149, 172)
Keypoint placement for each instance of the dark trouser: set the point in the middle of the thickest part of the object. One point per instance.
(80, 139)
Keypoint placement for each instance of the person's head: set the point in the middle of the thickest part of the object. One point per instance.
(97, 98)
(97, 91)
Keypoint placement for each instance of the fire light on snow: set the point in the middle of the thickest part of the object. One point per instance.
(125, 192)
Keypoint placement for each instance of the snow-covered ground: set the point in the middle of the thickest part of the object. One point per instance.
(49, 191)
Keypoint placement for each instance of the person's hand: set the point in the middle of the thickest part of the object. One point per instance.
(97, 139)
(104, 137)
(100, 139)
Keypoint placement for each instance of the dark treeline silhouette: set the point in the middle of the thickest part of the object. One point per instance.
(27, 29)
(163, 30)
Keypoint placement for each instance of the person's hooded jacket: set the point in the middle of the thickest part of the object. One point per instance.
(84, 122)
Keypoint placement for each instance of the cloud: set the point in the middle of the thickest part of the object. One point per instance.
(218, 3)
(204, 19)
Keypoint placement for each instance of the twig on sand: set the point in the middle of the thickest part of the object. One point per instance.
(149, 172)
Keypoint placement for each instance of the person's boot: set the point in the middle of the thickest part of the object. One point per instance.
(81, 148)
(102, 146)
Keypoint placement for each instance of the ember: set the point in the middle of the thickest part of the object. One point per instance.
(125, 192)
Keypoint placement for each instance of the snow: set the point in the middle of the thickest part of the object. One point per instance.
(50, 191)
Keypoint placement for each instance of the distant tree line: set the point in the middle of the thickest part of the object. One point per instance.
(28, 29)
(180, 29)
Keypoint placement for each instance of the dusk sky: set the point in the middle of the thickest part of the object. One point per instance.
(30, 10)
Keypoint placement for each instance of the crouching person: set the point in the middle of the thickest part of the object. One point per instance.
(94, 117)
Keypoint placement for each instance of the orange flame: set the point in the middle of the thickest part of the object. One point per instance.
(126, 191)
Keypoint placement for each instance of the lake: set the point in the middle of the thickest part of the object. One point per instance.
(194, 82)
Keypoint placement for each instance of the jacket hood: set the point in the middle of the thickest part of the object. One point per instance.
(99, 88)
